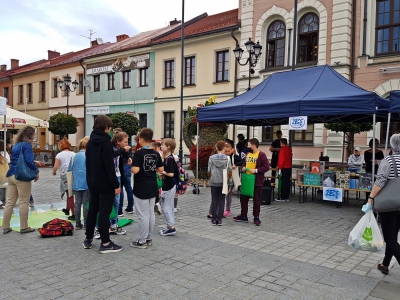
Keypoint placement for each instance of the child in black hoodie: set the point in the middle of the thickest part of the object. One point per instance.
(236, 162)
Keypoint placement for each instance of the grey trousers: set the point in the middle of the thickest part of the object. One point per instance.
(145, 211)
(81, 198)
(217, 202)
(167, 206)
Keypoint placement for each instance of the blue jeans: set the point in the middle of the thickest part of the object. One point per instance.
(128, 188)
(116, 205)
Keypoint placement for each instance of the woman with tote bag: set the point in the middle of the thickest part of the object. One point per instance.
(385, 199)
(20, 175)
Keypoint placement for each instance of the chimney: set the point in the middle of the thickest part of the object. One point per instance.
(52, 54)
(173, 22)
(3, 68)
(94, 43)
(14, 63)
(122, 37)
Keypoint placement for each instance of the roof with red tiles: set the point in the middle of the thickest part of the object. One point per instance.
(140, 40)
(203, 24)
(66, 58)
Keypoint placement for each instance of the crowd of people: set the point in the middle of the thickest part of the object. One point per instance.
(104, 166)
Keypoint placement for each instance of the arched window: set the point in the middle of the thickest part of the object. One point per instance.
(307, 49)
(276, 44)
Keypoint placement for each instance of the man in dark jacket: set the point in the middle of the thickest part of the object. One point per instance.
(256, 162)
(102, 182)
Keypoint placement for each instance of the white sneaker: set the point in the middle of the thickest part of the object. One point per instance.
(117, 230)
(280, 200)
(96, 234)
(177, 209)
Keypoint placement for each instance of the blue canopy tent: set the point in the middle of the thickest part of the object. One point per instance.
(320, 93)
(394, 99)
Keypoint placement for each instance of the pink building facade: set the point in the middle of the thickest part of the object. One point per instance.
(361, 42)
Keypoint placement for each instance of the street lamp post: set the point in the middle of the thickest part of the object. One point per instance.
(67, 88)
(254, 51)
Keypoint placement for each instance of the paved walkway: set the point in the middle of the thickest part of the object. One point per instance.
(299, 252)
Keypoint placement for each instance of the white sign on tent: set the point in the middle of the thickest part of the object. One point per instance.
(298, 123)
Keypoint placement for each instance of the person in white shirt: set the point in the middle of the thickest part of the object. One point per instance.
(62, 162)
(356, 160)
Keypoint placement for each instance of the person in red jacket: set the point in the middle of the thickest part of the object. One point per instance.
(285, 169)
(255, 162)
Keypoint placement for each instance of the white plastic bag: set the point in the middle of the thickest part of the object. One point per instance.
(366, 235)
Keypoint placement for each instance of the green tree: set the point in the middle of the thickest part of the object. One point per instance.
(349, 130)
(63, 124)
(128, 123)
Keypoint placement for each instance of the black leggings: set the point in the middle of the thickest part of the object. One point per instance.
(390, 223)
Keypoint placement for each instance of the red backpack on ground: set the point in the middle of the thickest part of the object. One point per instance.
(56, 227)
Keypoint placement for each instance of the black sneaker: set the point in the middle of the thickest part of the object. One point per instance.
(71, 218)
(137, 244)
(239, 218)
(65, 211)
(129, 210)
(213, 222)
(168, 231)
(219, 222)
(111, 247)
(149, 242)
(87, 244)
(78, 226)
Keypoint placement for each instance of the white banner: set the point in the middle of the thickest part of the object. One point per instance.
(3, 106)
(98, 110)
(298, 123)
(332, 194)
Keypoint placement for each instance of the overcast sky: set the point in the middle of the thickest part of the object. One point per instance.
(30, 28)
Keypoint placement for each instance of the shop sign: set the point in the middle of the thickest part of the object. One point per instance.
(119, 65)
(98, 110)
(297, 123)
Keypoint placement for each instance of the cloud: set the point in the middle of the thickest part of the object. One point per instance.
(33, 27)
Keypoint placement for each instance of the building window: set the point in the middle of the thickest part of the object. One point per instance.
(80, 86)
(96, 80)
(268, 133)
(126, 79)
(29, 92)
(308, 38)
(387, 26)
(303, 136)
(190, 70)
(43, 91)
(276, 44)
(169, 74)
(5, 93)
(168, 124)
(144, 76)
(143, 120)
(55, 87)
(21, 94)
(110, 80)
(222, 66)
(394, 127)
(185, 115)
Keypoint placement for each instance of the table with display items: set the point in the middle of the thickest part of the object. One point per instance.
(303, 193)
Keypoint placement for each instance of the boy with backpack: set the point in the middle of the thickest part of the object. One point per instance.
(168, 186)
(145, 165)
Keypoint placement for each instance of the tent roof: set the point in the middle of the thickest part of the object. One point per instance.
(394, 101)
(17, 120)
(320, 93)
